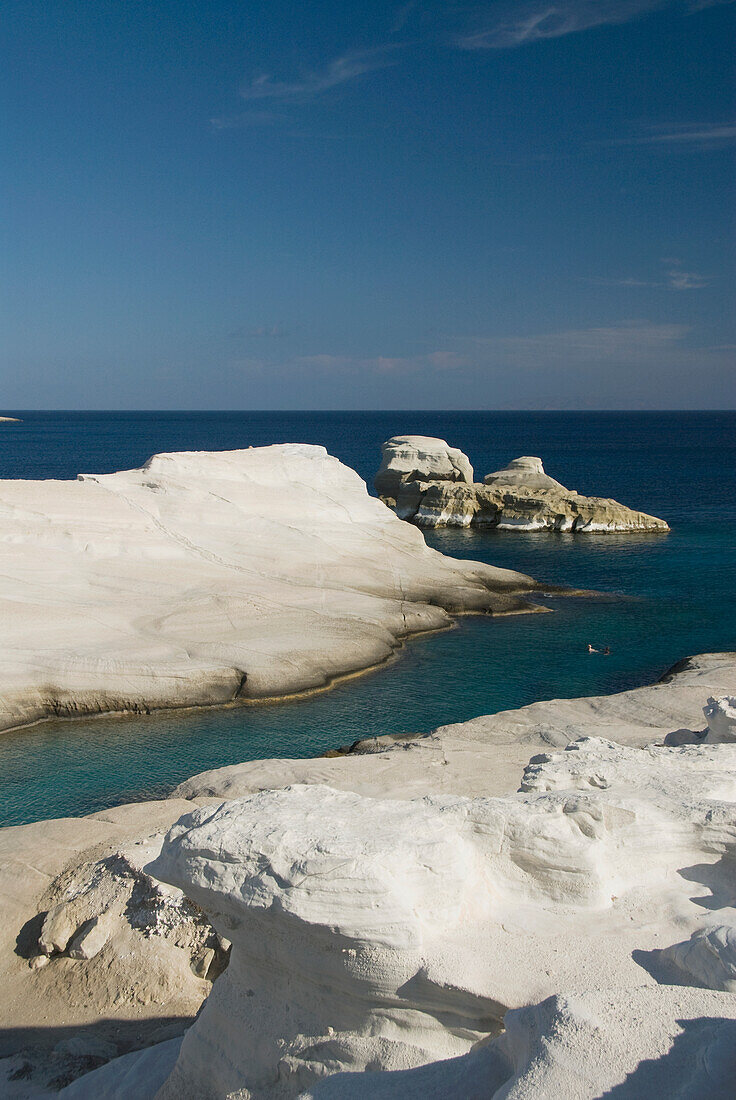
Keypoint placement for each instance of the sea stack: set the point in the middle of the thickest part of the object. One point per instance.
(519, 497)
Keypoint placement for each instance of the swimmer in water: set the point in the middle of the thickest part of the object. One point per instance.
(591, 650)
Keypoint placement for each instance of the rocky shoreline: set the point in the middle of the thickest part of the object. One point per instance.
(538, 902)
(395, 908)
(211, 577)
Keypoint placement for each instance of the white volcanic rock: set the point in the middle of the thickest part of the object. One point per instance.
(525, 471)
(486, 756)
(60, 1011)
(720, 714)
(9, 420)
(382, 935)
(708, 958)
(208, 577)
(408, 458)
(520, 497)
(629, 1044)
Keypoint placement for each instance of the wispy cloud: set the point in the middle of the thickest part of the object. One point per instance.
(624, 282)
(356, 365)
(314, 83)
(679, 279)
(306, 87)
(675, 277)
(519, 24)
(403, 15)
(716, 133)
(627, 342)
(384, 364)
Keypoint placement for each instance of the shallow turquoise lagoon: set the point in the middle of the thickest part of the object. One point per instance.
(666, 596)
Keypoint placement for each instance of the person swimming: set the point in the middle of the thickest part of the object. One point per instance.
(591, 649)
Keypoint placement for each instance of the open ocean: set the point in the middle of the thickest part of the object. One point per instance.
(675, 594)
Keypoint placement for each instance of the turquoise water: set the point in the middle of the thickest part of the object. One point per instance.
(666, 596)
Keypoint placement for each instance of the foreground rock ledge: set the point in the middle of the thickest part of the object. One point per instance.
(382, 935)
(208, 577)
(431, 484)
(398, 904)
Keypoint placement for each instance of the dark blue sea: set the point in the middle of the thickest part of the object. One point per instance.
(673, 595)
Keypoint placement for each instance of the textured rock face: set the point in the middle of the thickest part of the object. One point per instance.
(720, 715)
(487, 755)
(408, 458)
(96, 957)
(527, 472)
(658, 1042)
(521, 497)
(708, 958)
(382, 935)
(207, 577)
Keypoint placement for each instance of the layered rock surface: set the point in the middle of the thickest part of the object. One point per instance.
(382, 935)
(204, 578)
(397, 913)
(420, 458)
(520, 497)
(627, 1044)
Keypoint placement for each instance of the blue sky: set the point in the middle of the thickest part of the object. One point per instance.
(523, 204)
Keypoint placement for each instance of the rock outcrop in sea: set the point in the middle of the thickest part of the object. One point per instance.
(520, 497)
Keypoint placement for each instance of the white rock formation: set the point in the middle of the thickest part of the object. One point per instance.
(527, 472)
(487, 755)
(520, 497)
(720, 714)
(409, 458)
(208, 577)
(615, 870)
(627, 1044)
(708, 958)
(381, 935)
(124, 949)
(9, 420)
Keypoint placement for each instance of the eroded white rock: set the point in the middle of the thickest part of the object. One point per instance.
(206, 577)
(720, 714)
(647, 1042)
(708, 958)
(407, 458)
(521, 497)
(382, 935)
(527, 472)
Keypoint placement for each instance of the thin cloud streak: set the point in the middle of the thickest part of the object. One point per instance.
(629, 342)
(341, 70)
(675, 278)
(683, 280)
(535, 21)
(384, 364)
(700, 135)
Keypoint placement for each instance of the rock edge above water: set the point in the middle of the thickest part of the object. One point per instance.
(209, 577)
(416, 478)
